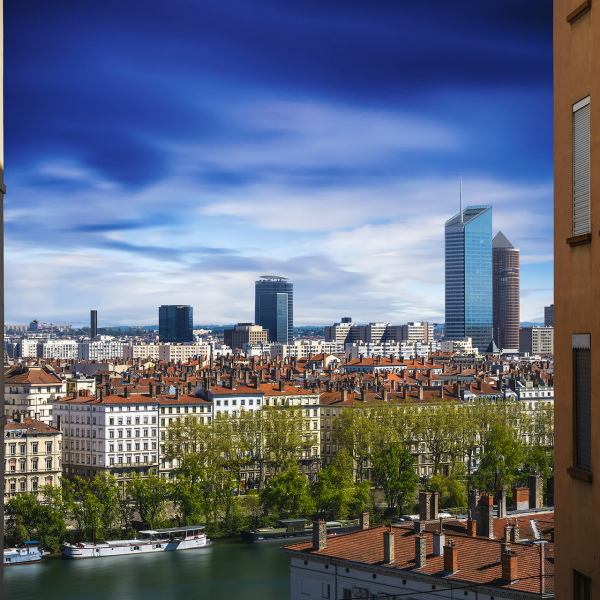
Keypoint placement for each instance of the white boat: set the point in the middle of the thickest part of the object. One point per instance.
(30, 552)
(151, 540)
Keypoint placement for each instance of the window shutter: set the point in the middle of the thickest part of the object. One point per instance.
(581, 167)
(583, 408)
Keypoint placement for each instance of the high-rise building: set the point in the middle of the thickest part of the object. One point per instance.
(536, 340)
(549, 316)
(244, 333)
(505, 285)
(274, 307)
(93, 324)
(176, 323)
(576, 281)
(469, 276)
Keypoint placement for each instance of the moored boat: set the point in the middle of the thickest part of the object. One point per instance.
(151, 540)
(29, 552)
(296, 528)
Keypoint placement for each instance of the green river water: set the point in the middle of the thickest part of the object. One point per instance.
(230, 570)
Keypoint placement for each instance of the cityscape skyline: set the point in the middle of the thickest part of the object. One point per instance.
(185, 167)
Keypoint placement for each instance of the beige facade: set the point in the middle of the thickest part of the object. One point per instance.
(182, 352)
(245, 333)
(32, 455)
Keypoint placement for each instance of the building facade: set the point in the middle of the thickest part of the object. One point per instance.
(274, 307)
(33, 455)
(245, 333)
(176, 323)
(536, 340)
(468, 241)
(576, 284)
(506, 293)
(549, 316)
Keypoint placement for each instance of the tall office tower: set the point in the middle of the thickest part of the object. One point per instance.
(549, 316)
(93, 324)
(576, 283)
(469, 276)
(176, 323)
(274, 307)
(505, 285)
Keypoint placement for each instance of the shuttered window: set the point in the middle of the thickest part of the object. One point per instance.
(581, 167)
(583, 408)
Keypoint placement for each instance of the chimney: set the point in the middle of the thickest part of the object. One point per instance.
(127, 392)
(282, 386)
(438, 543)
(471, 527)
(502, 503)
(344, 395)
(485, 524)
(388, 546)
(520, 498)
(550, 490)
(424, 506)
(364, 521)
(510, 568)
(152, 391)
(385, 395)
(419, 526)
(319, 535)
(420, 550)
(450, 557)
(363, 396)
(536, 493)
(177, 392)
(433, 506)
(515, 533)
(420, 392)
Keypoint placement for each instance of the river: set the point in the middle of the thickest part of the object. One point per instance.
(230, 570)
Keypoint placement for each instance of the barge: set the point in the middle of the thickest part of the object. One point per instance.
(151, 540)
(29, 552)
(296, 529)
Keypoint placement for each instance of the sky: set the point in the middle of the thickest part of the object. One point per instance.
(172, 152)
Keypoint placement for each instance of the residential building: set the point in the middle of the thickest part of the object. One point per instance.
(59, 349)
(108, 434)
(23, 348)
(536, 340)
(32, 453)
(100, 350)
(141, 351)
(245, 333)
(469, 311)
(416, 331)
(304, 348)
(181, 352)
(464, 346)
(343, 332)
(576, 280)
(506, 293)
(274, 307)
(549, 316)
(30, 391)
(176, 323)
(407, 349)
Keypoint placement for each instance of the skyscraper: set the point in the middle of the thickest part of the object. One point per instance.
(549, 316)
(93, 324)
(505, 277)
(176, 323)
(469, 276)
(274, 307)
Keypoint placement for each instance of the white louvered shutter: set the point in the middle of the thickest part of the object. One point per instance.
(581, 167)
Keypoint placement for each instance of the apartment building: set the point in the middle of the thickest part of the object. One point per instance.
(100, 350)
(304, 349)
(32, 455)
(576, 281)
(22, 348)
(245, 333)
(182, 352)
(536, 340)
(30, 391)
(108, 434)
(145, 352)
(59, 349)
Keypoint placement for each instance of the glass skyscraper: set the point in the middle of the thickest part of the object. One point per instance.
(274, 307)
(469, 309)
(175, 323)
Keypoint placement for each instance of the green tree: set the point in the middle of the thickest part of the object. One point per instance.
(288, 494)
(149, 498)
(353, 431)
(394, 474)
(451, 490)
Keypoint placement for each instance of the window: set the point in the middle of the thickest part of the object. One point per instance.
(111, 421)
(34, 448)
(581, 167)
(326, 591)
(583, 401)
(346, 593)
(22, 448)
(34, 465)
(582, 587)
(48, 446)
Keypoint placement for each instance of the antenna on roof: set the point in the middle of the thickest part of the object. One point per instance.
(461, 210)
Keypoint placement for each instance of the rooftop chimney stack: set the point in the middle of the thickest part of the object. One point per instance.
(450, 557)
(364, 521)
(438, 543)
(420, 550)
(319, 535)
(502, 503)
(536, 494)
(510, 567)
(388, 546)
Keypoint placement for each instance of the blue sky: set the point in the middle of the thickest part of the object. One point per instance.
(171, 152)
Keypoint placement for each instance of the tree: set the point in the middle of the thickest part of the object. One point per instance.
(149, 497)
(335, 491)
(353, 431)
(501, 458)
(451, 490)
(288, 494)
(394, 474)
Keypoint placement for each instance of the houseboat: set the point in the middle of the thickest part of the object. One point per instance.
(151, 540)
(296, 529)
(29, 552)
